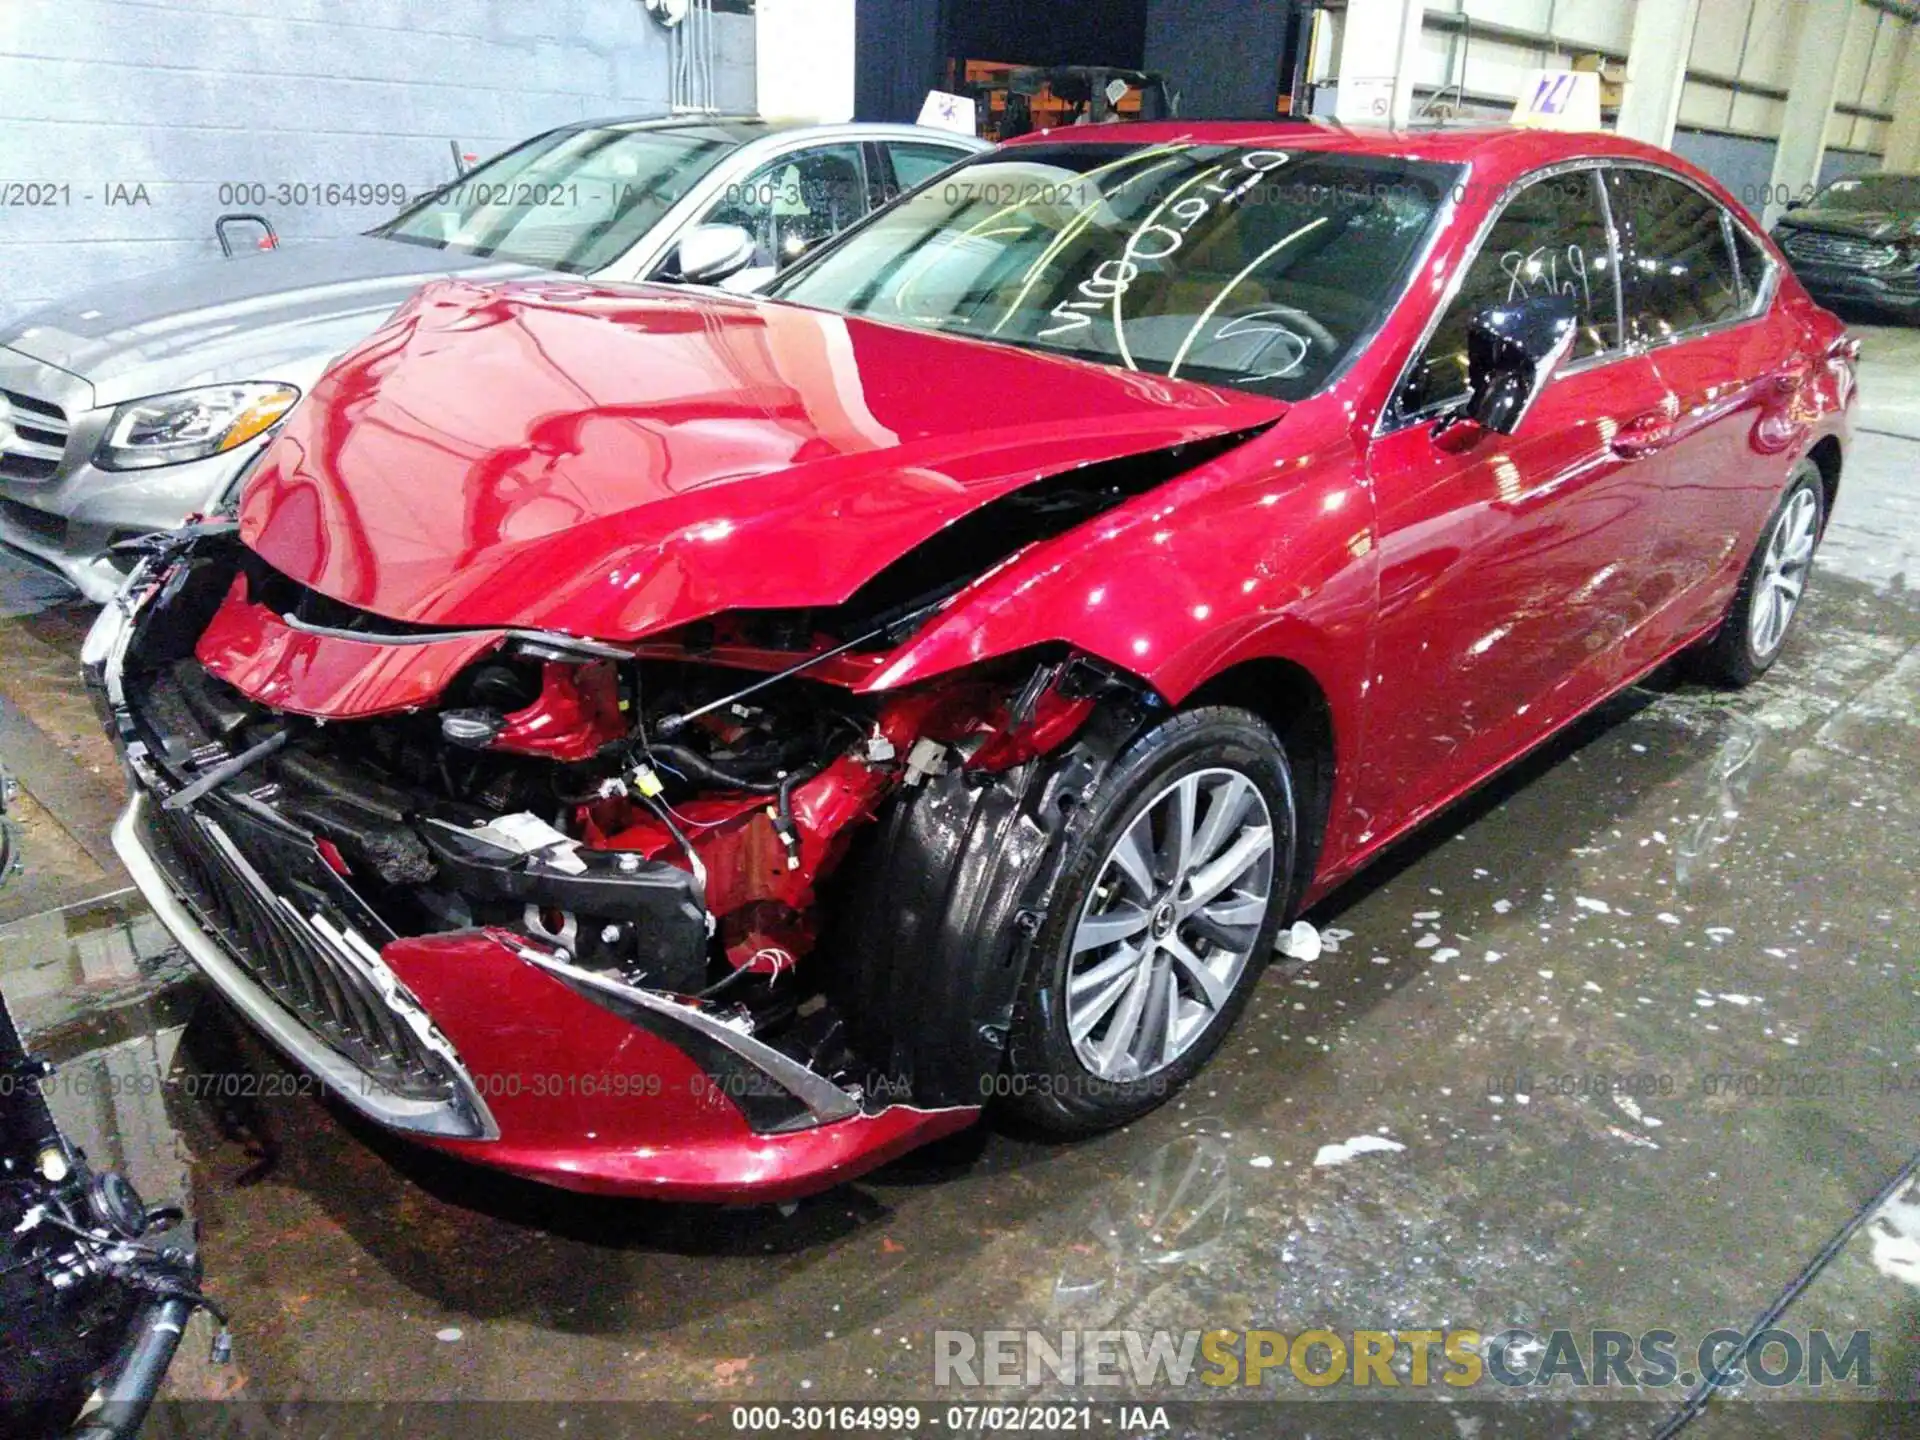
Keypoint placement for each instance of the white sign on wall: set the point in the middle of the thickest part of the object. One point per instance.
(1559, 100)
(813, 77)
(1364, 100)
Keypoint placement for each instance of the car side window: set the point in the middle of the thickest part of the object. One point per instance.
(1678, 259)
(1551, 236)
(1754, 265)
(792, 203)
(915, 163)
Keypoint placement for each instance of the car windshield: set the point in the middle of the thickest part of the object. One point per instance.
(1859, 193)
(572, 200)
(1257, 268)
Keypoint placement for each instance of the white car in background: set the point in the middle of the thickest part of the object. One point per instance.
(128, 407)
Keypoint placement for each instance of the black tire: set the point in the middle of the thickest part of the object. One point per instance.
(1043, 1080)
(1731, 657)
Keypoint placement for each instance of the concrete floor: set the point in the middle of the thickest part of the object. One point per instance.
(1691, 886)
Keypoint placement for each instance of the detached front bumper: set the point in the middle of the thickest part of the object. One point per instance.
(480, 1042)
(563, 1076)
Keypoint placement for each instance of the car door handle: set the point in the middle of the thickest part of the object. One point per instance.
(1643, 434)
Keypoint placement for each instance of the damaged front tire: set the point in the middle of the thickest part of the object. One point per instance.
(985, 904)
(1158, 928)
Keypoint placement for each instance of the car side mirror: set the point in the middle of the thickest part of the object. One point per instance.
(750, 281)
(708, 254)
(1512, 351)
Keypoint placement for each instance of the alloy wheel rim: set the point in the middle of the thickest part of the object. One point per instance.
(1175, 911)
(1783, 573)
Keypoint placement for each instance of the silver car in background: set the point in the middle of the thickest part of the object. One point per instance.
(128, 407)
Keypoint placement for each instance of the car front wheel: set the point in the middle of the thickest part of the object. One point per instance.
(1160, 925)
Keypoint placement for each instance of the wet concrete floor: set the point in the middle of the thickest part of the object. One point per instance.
(1639, 1023)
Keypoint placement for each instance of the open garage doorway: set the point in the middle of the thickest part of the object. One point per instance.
(1220, 58)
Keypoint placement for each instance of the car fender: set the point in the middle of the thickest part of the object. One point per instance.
(1266, 552)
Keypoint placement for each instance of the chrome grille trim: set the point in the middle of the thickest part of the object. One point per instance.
(304, 961)
(1823, 249)
(459, 1113)
(33, 435)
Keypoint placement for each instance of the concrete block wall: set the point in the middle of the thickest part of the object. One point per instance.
(121, 120)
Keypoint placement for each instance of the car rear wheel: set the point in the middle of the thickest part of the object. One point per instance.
(1754, 631)
(1160, 925)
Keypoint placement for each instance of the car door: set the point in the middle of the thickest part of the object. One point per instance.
(1698, 295)
(789, 204)
(1506, 562)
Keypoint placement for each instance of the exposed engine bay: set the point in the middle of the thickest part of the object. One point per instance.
(670, 816)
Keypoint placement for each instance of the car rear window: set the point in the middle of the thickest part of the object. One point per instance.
(1677, 255)
(914, 164)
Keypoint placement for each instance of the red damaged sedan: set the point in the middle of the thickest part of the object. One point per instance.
(683, 744)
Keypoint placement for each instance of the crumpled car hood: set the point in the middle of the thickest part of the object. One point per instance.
(610, 462)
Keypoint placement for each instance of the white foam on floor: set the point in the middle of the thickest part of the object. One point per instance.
(1358, 1145)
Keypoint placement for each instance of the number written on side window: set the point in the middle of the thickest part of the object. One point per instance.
(1551, 238)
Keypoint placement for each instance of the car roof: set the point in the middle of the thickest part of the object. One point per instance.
(1453, 141)
(744, 129)
(1496, 153)
(1445, 143)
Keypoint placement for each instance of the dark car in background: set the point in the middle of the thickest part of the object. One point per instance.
(1858, 240)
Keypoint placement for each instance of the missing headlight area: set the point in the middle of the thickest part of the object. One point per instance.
(666, 834)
